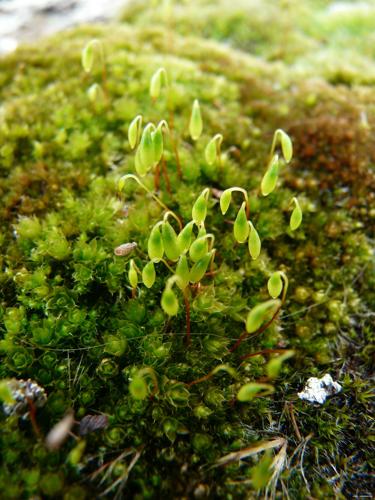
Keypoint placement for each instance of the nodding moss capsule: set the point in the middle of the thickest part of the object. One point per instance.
(169, 301)
(148, 274)
(158, 140)
(213, 149)
(87, 56)
(132, 274)
(269, 180)
(274, 365)
(241, 227)
(158, 79)
(253, 389)
(261, 313)
(199, 268)
(169, 236)
(155, 246)
(199, 247)
(286, 144)
(182, 272)
(275, 285)
(196, 124)
(199, 210)
(95, 93)
(296, 217)
(254, 242)
(225, 200)
(140, 168)
(134, 131)
(184, 237)
(138, 387)
(146, 147)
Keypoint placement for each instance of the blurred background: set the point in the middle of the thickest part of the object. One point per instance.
(26, 20)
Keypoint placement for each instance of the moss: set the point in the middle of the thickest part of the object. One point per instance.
(68, 316)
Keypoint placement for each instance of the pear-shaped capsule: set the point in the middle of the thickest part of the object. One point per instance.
(95, 93)
(254, 242)
(225, 200)
(146, 148)
(260, 314)
(184, 237)
(198, 248)
(87, 56)
(148, 274)
(275, 285)
(212, 151)
(134, 131)
(169, 302)
(269, 180)
(196, 124)
(155, 245)
(199, 211)
(296, 217)
(140, 168)
(132, 274)
(199, 268)
(169, 236)
(286, 145)
(157, 139)
(157, 79)
(241, 227)
(182, 272)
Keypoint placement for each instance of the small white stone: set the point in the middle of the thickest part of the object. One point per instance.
(316, 390)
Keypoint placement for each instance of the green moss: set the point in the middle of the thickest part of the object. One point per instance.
(68, 316)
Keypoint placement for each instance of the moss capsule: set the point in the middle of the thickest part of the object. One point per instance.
(95, 93)
(225, 200)
(155, 245)
(260, 314)
(182, 272)
(157, 139)
(169, 236)
(199, 210)
(132, 274)
(140, 168)
(146, 147)
(286, 145)
(296, 217)
(148, 274)
(241, 227)
(252, 389)
(134, 131)
(157, 80)
(212, 152)
(198, 248)
(199, 268)
(169, 302)
(275, 285)
(254, 242)
(184, 237)
(269, 180)
(88, 54)
(196, 124)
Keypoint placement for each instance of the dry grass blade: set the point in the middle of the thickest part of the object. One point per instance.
(278, 464)
(251, 450)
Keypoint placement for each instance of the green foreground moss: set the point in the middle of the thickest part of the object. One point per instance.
(68, 319)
